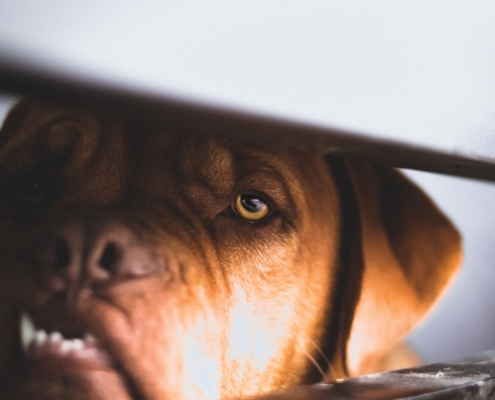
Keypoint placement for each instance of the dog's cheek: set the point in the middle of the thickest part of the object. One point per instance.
(267, 337)
(261, 343)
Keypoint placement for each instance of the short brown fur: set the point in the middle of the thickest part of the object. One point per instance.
(203, 304)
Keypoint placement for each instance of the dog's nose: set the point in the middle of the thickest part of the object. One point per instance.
(91, 252)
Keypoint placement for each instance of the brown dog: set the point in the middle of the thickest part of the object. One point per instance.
(164, 265)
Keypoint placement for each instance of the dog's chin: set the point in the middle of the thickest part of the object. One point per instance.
(50, 366)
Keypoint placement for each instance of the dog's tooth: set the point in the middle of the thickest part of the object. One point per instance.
(40, 336)
(56, 337)
(67, 345)
(78, 344)
(27, 329)
(89, 339)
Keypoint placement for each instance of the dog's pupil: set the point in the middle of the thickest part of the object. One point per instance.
(33, 191)
(252, 203)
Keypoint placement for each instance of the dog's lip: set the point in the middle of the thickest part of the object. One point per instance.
(38, 344)
(86, 353)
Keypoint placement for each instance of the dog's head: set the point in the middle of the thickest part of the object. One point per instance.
(177, 265)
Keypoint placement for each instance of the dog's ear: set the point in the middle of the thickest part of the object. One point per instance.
(410, 252)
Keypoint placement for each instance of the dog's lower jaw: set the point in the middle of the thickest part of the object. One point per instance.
(189, 373)
(42, 381)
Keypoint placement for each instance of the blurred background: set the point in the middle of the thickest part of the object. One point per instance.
(415, 72)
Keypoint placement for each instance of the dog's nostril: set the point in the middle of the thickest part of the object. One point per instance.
(108, 257)
(62, 254)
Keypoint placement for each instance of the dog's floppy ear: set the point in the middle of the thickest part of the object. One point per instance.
(410, 254)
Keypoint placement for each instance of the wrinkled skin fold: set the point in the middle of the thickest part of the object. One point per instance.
(131, 235)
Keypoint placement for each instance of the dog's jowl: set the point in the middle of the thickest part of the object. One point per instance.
(142, 263)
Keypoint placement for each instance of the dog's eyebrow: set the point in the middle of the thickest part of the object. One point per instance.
(53, 139)
(208, 162)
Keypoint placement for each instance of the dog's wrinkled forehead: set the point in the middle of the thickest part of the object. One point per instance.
(206, 161)
(208, 171)
(51, 134)
(110, 158)
(200, 166)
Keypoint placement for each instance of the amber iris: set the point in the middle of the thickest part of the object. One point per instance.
(251, 207)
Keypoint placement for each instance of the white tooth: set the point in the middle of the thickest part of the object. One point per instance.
(78, 344)
(89, 339)
(67, 345)
(27, 329)
(56, 336)
(40, 336)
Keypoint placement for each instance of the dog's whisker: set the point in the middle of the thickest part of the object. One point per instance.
(315, 363)
(320, 351)
(319, 368)
(330, 374)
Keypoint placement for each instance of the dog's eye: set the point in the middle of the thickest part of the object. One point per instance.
(251, 207)
(34, 190)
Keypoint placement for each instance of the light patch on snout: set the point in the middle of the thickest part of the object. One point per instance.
(202, 369)
(257, 337)
(254, 334)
